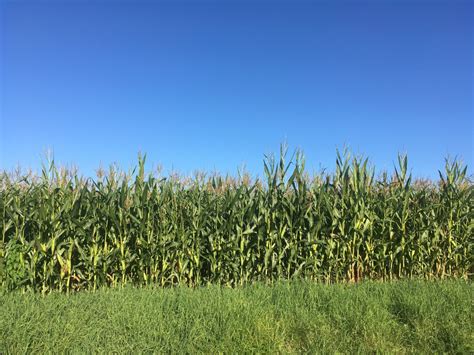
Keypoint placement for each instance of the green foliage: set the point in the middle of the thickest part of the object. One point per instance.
(427, 317)
(63, 232)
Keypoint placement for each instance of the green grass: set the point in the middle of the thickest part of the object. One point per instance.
(296, 316)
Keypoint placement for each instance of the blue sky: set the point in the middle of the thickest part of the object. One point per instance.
(214, 85)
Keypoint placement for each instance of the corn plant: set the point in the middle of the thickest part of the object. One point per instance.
(60, 231)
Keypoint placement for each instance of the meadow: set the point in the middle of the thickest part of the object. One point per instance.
(407, 316)
(63, 232)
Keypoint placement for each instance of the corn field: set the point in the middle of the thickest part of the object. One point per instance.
(63, 232)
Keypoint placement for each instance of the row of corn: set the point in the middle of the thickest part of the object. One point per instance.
(60, 231)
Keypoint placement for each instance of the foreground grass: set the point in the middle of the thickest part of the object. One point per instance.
(403, 316)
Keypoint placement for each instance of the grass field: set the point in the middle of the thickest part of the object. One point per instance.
(296, 316)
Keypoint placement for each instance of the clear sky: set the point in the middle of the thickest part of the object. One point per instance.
(216, 84)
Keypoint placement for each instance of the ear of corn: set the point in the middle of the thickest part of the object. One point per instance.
(63, 232)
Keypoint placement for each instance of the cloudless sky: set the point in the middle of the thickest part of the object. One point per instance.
(216, 84)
